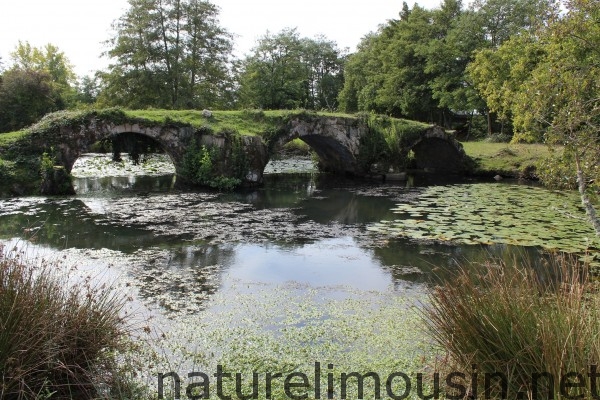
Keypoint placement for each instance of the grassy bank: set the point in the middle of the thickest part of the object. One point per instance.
(515, 160)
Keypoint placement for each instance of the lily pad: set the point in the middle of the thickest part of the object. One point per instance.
(493, 213)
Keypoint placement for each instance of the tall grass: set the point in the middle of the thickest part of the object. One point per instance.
(56, 340)
(514, 320)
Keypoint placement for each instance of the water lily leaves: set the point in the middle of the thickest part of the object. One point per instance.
(496, 214)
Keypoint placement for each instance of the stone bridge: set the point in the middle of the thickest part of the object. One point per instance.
(344, 145)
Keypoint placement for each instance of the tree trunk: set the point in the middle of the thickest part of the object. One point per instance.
(585, 201)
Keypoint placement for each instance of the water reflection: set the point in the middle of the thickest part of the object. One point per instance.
(65, 223)
(87, 185)
(180, 248)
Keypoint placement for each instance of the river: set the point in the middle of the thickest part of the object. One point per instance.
(308, 266)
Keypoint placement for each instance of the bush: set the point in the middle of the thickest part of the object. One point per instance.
(513, 320)
(56, 341)
(208, 165)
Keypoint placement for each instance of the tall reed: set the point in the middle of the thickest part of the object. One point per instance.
(521, 322)
(57, 340)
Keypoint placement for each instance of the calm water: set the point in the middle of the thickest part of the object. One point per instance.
(320, 261)
(305, 229)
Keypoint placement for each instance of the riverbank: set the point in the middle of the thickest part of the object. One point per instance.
(509, 160)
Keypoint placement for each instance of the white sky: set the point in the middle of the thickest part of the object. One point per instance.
(78, 27)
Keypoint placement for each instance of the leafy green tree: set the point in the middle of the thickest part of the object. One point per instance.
(87, 90)
(500, 20)
(416, 66)
(25, 96)
(286, 71)
(274, 76)
(168, 54)
(39, 80)
(352, 97)
(562, 96)
(498, 74)
(387, 73)
(48, 59)
(325, 63)
(456, 38)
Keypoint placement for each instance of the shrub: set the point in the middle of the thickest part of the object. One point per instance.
(209, 165)
(510, 319)
(56, 341)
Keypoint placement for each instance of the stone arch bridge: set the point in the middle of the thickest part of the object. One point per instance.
(344, 145)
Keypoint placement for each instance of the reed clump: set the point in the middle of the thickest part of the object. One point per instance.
(534, 332)
(57, 340)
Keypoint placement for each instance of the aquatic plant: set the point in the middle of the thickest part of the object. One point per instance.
(56, 340)
(527, 329)
(278, 331)
(496, 214)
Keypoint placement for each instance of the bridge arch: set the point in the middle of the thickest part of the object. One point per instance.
(437, 151)
(338, 141)
(81, 142)
(335, 140)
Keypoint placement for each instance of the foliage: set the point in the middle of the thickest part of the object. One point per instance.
(285, 71)
(56, 340)
(514, 320)
(416, 66)
(491, 214)
(205, 165)
(48, 59)
(39, 81)
(168, 54)
(88, 90)
(498, 74)
(25, 96)
(562, 98)
(385, 141)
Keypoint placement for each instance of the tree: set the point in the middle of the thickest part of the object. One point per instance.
(273, 76)
(25, 96)
(286, 71)
(87, 90)
(50, 60)
(168, 54)
(562, 96)
(498, 74)
(500, 20)
(325, 64)
(448, 55)
(40, 80)
(387, 74)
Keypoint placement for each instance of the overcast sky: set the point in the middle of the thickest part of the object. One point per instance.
(78, 27)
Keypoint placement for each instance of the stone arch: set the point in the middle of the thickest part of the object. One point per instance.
(439, 152)
(334, 139)
(80, 142)
(73, 141)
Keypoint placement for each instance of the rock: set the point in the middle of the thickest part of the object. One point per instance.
(400, 176)
(252, 176)
(206, 113)
(498, 178)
